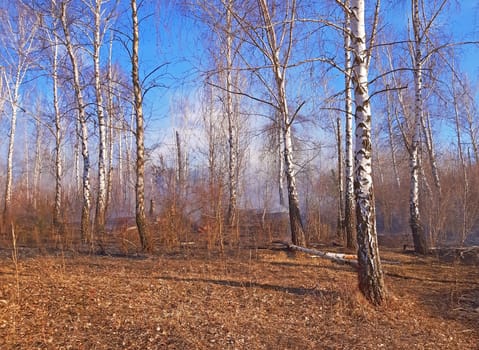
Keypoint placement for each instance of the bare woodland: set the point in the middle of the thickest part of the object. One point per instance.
(340, 129)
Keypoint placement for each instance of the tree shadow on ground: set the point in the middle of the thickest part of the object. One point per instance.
(300, 291)
(453, 303)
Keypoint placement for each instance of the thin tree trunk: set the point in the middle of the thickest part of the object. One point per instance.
(349, 218)
(298, 236)
(121, 171)
(102, 147)
(297, 231)
(109, 94)
(426, 129)
(371, 282)
(77, 165)
(281, 162)
(23, 40)
(57, 221)
(36, 165)
(472, 134)
(85, 216)
(464, 228)
(417, 228)
(140, 147)
(26, 160)
(391, 140)
(11, 142)
(180, 165)
(233, 161)
(340, 224)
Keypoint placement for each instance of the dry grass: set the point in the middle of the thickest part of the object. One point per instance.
(248, 299)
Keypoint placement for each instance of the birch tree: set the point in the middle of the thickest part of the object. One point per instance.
(57, 217)
(371, 282)
(232, 130)
(279, 70)
(96, 9)
(417, 227)
(19, 27)
(82, 123)
(140, 136)
(349, 220)
(340, 176)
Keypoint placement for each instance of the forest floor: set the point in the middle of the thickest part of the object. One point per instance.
(242, 299)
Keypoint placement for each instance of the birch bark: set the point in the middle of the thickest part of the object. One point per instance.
(23, 34)
(110, 113)
(102, 146)
(471, 130)
(140, 147)
(349, 218)
(371, 282)
(13, 125)
(426, 129)
(232, 132)
(57, 222)
(340, 224)
(280, 162)
(417, 228)
(85, 215)
(298, 236)
(37, 164)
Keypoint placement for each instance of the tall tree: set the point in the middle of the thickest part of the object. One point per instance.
(371, 282)
(57, 217)
(140, 134)
(339, 141)
(349, 218)
(417, 227)
(19, 27)
(82, 123)
(272, 50)
(101, 203)
(232, 130)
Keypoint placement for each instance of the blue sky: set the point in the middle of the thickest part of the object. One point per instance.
(168, 36)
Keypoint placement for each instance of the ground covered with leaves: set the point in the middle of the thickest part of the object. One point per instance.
(243, 299)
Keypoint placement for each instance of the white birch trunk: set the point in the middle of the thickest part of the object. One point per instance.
(371, 281)
(11, 143)
(36, 165)
(281, 161)
(419, 238)
(340, 228)
(26, 160)
(102, 146)
(472, 133)
(140, 147)
(232, 132)
(297, 231)
(121, 171)
(349, 206)
(110, 141)
(23, 40)
(57, 221)
(85, 216)
(279, 68)
(426, 129)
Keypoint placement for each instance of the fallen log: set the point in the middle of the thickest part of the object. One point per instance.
(350, 259)
(341, 258)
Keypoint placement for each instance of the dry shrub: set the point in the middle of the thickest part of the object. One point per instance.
(173, 226)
